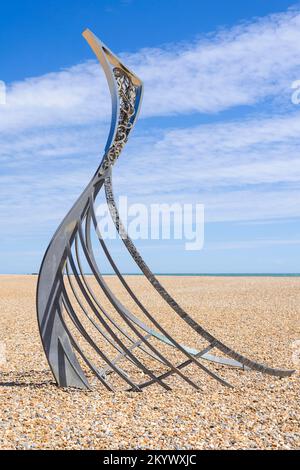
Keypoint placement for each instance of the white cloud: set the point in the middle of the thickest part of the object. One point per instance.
(241, 66)
(236, 245)
(248, 170)
(238, 67)
(53, 130)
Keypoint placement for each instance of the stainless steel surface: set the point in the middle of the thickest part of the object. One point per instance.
(63, 288)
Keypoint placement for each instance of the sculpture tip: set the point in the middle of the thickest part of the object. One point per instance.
(86, 32)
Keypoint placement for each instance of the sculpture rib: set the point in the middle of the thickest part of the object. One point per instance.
(54, 304)
(93, 297)
(167, 297)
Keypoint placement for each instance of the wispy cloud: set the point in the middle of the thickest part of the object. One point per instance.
(239, 170)
(241, 66)
(53, 130)
(248, 244)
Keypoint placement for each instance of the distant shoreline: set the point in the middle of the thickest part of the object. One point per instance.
(184, 274)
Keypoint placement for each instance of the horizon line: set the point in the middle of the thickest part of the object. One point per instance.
(253, 274)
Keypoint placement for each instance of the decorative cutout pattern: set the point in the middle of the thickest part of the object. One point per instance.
(127, 96)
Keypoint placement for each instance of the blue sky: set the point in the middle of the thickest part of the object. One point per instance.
(217, 125)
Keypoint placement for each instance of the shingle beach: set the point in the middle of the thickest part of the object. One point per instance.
(257, 316)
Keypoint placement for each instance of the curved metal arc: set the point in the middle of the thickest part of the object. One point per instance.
(128, 317)
(180, 366)
(169, 299)
(77, 323)
(97, 304)
(166, 337)
(116, 305)
(95, 325)
(55, 341)
(81, 353)
(99, 51)
(126, 92)
(109, 63)
(122, 354)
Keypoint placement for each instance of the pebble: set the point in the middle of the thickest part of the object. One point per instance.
(259, 317)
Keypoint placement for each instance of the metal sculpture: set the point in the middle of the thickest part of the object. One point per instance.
(62, 284)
